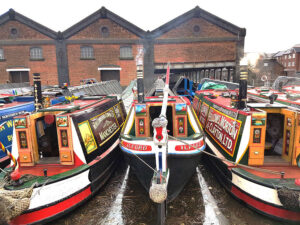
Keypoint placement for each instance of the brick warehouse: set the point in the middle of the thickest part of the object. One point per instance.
(104, 46)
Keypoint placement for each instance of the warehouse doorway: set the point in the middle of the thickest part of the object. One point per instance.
(109, 73)
(18, 75)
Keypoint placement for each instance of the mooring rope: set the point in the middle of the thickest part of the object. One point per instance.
(227, 160)
(150, 167)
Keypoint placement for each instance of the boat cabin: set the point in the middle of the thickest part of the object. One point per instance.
(179, 124)
(65, 135)
(264, 134)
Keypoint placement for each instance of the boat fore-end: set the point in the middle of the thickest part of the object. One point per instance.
(61, 156)
(140, 150)
(256, 149)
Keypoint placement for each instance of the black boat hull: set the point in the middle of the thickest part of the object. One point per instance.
(182, 167)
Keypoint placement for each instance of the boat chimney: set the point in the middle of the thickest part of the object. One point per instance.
(37, 91)
(140, 75)
(242, 99)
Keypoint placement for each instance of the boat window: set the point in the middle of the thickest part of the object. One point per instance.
(154, 112)
(47, 140)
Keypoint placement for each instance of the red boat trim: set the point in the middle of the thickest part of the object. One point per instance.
(265, 208)
(51, 211)
(226, 107)
(4, 159)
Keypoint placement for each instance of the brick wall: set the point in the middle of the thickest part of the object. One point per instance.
(186, 30)
(105, 54)
(23, 32)
(18, 56)
(93, 31)
(195, 52)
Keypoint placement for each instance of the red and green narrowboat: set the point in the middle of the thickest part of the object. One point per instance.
(256, 150)
(63, 155)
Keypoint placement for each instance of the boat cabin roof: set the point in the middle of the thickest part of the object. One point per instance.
(77, 105)
(171, 100)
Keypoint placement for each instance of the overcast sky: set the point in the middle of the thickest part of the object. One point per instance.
(272, 25)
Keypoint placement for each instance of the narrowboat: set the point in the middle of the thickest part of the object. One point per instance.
(254, 148)
(286, 91)
(162, 142)
(61, 156)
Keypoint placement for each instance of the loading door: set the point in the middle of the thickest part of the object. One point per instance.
(110, 75)
(19, 76)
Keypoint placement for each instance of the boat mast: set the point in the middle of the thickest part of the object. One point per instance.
(158, 189)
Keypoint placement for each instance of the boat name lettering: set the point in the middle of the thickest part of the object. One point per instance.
(225, 111)
(12, 115)
(136, 147)
(98, 120)
(223, 129)
(104, 134)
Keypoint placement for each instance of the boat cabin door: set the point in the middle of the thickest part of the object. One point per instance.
(289, 134)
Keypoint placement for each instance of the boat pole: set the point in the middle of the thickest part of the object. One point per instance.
(37, 91)
(158, 189)
(242, 99)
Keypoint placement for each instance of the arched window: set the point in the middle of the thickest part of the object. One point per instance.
(36, 53)
(86, 52)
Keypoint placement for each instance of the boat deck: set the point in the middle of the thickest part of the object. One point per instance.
(52, 169)
(289, 171)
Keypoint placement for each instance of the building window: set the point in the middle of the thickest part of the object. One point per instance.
(36, 53)
(293, 63)
(285, 56)
(289, 64)
(86, 52)
(1, 54)
(126, 52)
(266, 64)
(294, 55)
(104, 31)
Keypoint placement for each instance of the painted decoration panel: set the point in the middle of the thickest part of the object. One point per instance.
(223, 129)
(87, 137)
(104, 126)
(140, 110)
(62, 121)
(20, 123)
(180, 109)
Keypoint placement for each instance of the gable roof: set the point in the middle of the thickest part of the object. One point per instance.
(198, 13)
(103, 13)
(15, 16)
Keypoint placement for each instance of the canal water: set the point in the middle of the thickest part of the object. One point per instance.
(124, 201)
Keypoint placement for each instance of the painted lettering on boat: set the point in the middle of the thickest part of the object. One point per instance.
(223, 129)
(136, 147)
(203, 113)
(105, 125)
